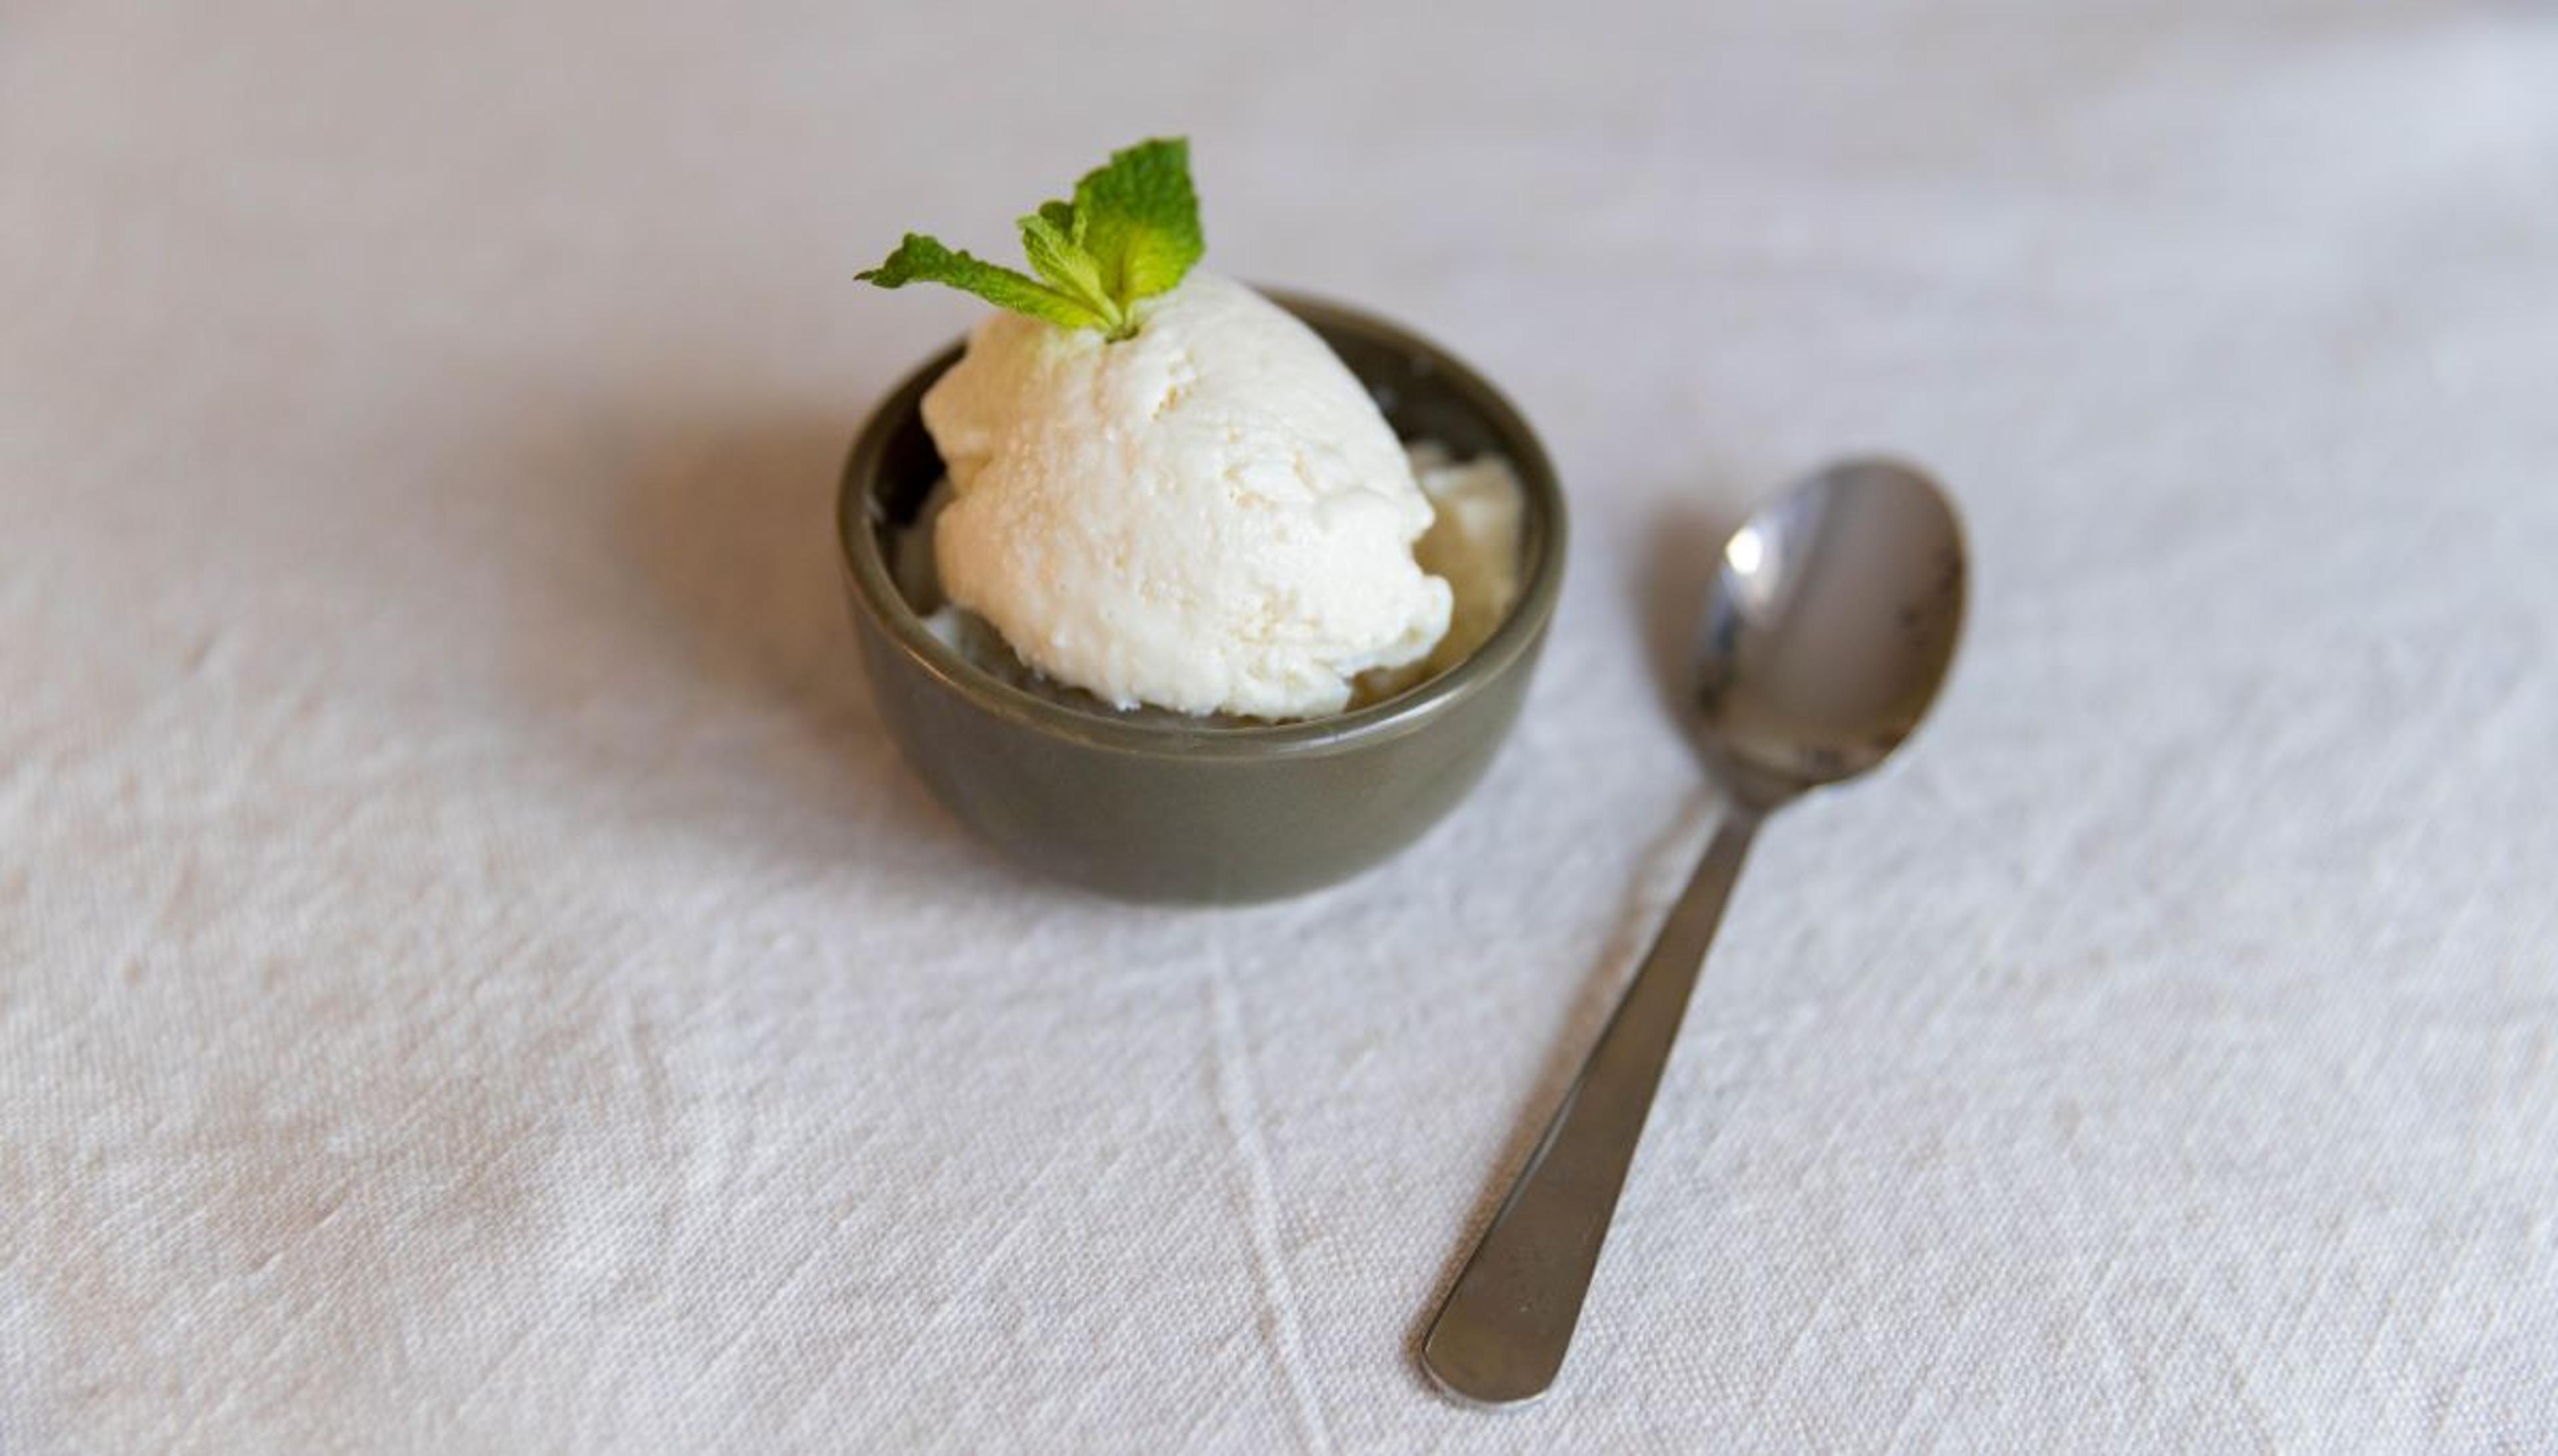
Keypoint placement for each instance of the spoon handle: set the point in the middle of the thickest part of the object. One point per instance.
(1501, 1335)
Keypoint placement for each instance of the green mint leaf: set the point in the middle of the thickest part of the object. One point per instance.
(1071, 270)
(1131, 232)
(1139, 218)
(922, 260)
(1062, 217)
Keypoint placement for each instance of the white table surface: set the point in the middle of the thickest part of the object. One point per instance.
(474, 976)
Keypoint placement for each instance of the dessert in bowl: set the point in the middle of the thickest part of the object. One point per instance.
(1193, 594)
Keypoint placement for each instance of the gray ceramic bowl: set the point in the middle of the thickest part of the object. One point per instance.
(1174, 810)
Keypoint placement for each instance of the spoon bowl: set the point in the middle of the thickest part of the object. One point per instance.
(1830, 627)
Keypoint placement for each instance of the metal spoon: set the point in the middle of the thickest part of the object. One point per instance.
(1831, 624)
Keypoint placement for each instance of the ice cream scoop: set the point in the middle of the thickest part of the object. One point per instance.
(1210, 516)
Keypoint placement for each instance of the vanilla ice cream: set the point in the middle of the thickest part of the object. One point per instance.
(1478, 515)
(1210, 516)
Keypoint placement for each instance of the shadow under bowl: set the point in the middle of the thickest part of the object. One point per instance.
(1152, 807)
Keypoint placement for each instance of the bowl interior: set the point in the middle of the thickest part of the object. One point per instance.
(1422, 393)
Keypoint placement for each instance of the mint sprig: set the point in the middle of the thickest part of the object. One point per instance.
(1131, 232)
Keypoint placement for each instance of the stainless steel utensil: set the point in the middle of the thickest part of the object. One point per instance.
(1831, 625)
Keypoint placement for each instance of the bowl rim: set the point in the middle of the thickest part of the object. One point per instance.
(877, 594)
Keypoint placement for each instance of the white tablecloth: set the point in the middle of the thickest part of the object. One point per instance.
(475, 977)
